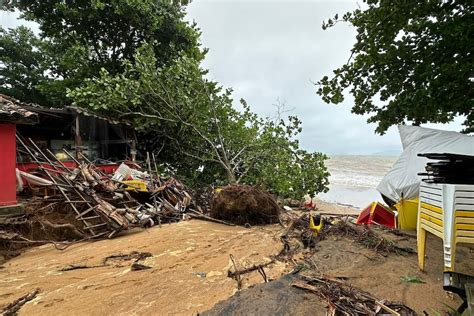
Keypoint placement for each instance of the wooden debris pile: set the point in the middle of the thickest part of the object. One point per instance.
(344, 299)
(101, 205)
(203, 198)
(297, 229)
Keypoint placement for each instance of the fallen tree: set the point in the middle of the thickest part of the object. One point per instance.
(244, 204)
(196, 118)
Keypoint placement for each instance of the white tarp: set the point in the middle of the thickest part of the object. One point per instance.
(403, 179)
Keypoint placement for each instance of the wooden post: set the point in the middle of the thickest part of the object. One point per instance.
(133, 152)
(77, 138)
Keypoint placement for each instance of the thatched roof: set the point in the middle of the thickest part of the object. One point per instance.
(12, 111)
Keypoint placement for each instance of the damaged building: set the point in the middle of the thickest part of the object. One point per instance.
(72, 130)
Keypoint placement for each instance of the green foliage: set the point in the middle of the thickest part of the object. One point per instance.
(21, 64)
(199, 134)
(412, 61)
(82, 38)
(411, 279)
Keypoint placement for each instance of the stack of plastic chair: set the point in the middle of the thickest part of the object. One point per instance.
(446, 211)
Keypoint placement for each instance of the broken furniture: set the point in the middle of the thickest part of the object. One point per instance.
(316, 223)
(376, 213)
(407, 214)
(449, 168)
(463, 286)
(101, 205)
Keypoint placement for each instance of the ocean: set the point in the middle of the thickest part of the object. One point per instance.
(354, 178)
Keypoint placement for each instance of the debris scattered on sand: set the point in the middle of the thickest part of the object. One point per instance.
(297, 230)
(367, 237)
(348, 300)
(134, 255)
(138, 267)
(244, 204)
(115, 259)
(13, 308)
(83, 202)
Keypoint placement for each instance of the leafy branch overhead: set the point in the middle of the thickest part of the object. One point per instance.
(76, 41)
(194, 116)
(412, 61)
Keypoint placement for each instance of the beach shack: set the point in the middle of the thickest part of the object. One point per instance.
(71, 134)
(83, 133)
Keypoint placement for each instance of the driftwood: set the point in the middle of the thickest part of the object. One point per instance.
(349, 300)
(367, 237)
(138, 267)
(255, 267)
(237, 275)
(134, 255)
(14, 307)
(80, 267)
(196, 215)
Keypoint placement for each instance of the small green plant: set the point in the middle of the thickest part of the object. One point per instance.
(411, 279)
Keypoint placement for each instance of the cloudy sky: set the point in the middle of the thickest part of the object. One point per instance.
(273, 50)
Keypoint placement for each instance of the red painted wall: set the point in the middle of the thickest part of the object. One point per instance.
(7, 164)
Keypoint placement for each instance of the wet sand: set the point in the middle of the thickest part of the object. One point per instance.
(188, 274)
(363, 268)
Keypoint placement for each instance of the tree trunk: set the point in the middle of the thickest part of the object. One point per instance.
(231, 177)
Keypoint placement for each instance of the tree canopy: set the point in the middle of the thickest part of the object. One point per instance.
(412, 61)
(80, 39)
(196, 128)
(21, 64)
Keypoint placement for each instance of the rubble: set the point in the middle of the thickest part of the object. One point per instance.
(345, 299)
(94, 204)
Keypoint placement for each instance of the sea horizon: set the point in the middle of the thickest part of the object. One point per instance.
(354, 178)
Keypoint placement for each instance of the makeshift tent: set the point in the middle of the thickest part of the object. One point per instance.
(402, 181)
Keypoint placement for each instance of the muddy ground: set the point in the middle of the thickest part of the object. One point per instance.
(380, 275)
(188, 275)
(189, 263)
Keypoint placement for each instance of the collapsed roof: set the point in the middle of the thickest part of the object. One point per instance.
(13, 111)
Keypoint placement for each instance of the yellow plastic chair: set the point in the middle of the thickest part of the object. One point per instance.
(446, 211)
(316, 227)
(407, 218)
